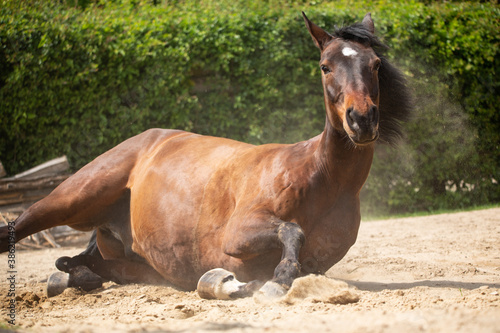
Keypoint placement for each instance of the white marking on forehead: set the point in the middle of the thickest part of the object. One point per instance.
(348, 52)
(331, 91)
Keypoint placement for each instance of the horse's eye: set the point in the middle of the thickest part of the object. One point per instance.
(325, 69)
(377, 66)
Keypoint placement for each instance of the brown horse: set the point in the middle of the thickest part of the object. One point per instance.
(168, 205)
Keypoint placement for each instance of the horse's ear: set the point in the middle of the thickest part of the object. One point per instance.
(319, 36)
(368, 23)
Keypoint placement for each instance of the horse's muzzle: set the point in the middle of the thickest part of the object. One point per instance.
(364, 126)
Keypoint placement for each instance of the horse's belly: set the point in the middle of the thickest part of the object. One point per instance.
(162, 230)
(167, 198)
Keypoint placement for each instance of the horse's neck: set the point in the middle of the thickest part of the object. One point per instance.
(340, 165)
(330, 172)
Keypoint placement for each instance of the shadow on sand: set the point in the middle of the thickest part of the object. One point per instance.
(379, 286)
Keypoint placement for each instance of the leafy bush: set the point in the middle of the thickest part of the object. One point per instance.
(78, 77)
(452, 158)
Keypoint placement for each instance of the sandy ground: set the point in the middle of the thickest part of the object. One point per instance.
(426, 274)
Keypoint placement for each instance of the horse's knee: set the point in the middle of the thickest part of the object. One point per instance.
(263, 239)
(289, 232)
(249, 245)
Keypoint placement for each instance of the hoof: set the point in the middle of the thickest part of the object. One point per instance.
(63, 265)
(218, 284)
(83, 277)
(57, 283)
(78, 277)
(272, 290)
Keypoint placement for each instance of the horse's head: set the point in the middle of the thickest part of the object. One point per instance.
(349, 69)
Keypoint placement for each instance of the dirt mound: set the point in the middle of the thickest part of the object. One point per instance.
(318, 288)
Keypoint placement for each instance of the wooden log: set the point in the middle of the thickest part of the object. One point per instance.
(49, 238)
(18, 194)
(8, 185)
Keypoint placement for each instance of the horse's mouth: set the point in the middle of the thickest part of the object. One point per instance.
(357, 142)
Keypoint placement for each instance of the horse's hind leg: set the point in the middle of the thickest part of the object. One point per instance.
(115, 261)
(76, 274)
(81, 199)
(89, 269)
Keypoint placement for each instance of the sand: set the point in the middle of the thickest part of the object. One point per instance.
(437, 273)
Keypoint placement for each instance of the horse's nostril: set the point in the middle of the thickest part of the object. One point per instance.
(349, 112)
(374, 114)
(351, 118)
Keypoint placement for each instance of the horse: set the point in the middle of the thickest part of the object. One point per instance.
(169, 206)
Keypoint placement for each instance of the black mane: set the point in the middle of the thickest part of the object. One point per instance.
(396, 102)
(359, 34)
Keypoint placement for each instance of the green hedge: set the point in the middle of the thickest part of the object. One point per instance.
(78, 82)
(452, 157)
(78, 77)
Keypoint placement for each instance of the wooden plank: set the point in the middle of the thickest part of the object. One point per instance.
(19, 192)
(52, 167)
(17, 208)
(26, 196)
(14, 185)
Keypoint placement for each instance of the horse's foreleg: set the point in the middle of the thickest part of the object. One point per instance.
(292, 238)
(257, 241)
